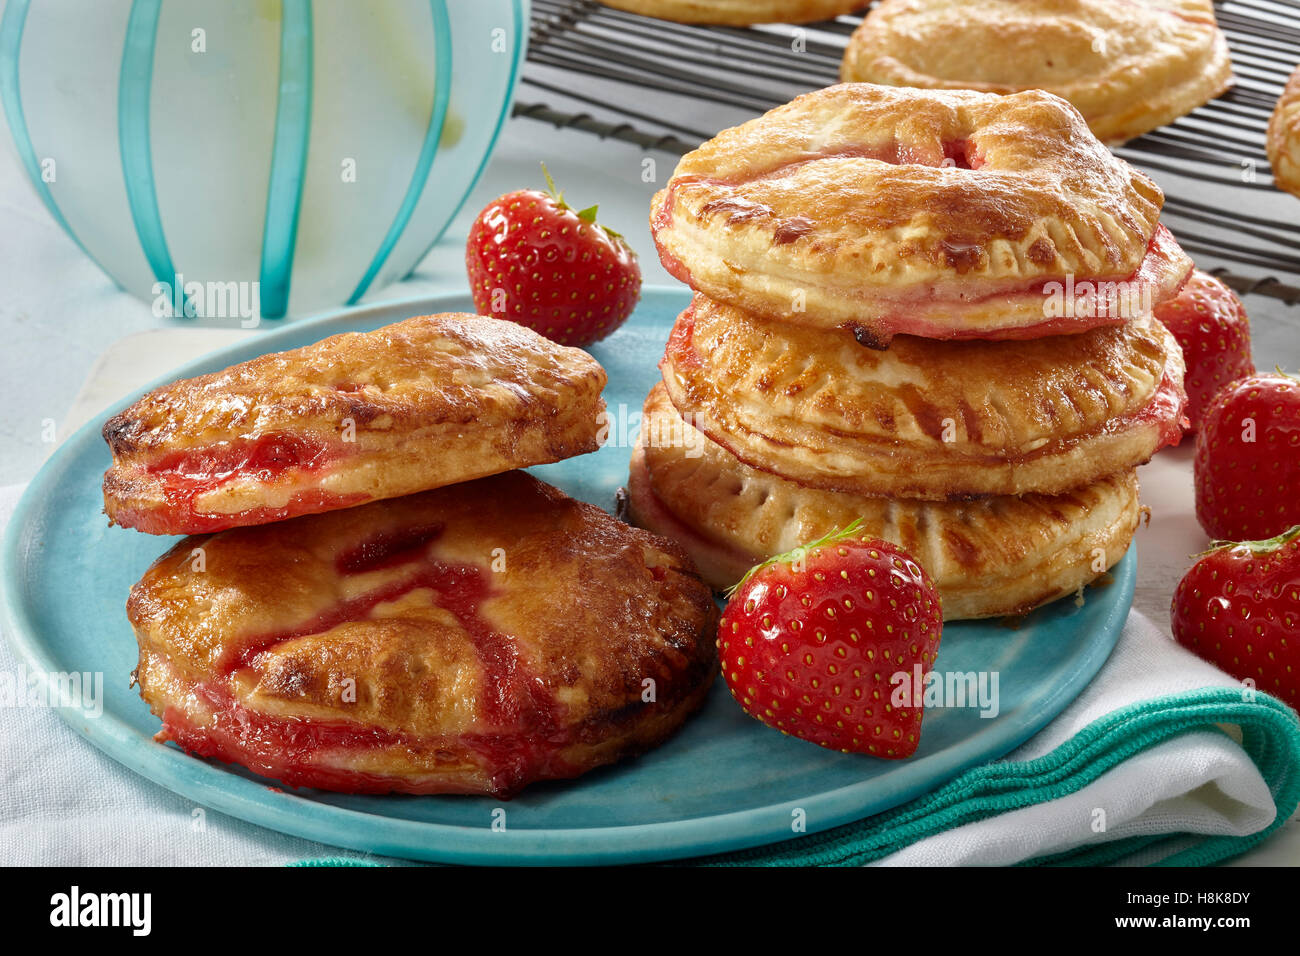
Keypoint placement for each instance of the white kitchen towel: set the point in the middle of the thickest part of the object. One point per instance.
(63, 802)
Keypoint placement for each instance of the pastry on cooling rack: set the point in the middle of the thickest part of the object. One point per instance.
(941, 213)
(472, 639)
(1128, 65)
(422, 403)
(988, 557)
(738, 12)
(1284, 137)
(924, 418)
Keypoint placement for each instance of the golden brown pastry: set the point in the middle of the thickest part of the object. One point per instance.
(738, 12)
(1284, 137)
(422, 403)
(926, 419)
(1128, 65)
(472, 639)
(941, 213)
(989, 557)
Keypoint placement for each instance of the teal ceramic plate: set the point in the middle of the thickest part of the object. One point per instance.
(725, 782)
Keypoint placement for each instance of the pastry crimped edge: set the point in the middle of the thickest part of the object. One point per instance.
(815, 407)
(994, 557)
(1138, 94)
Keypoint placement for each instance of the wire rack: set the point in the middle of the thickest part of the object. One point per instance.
(625, 77)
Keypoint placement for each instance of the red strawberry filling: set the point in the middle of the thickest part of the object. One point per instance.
(314, 753)
(185, 476)
(296, 750)
(1157, 279)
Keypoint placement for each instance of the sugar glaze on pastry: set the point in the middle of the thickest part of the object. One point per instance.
(422, 403)
(926, 419)
(472, 639)
(940, 213)
(993, 556)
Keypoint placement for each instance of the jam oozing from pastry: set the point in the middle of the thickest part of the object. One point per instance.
(185, 520)
(526, 742)
(681, 340)
(1151, 281)
(188, 475)
(265, 455)
(1167, 410)
(962, 154)
(387, 550)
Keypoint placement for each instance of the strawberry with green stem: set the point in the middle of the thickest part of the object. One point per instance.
(812, 643)
(533, 259)
(1239, 608)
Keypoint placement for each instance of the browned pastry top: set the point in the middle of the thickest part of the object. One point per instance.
(422, 403)
(475, 637)
(1128, 65)
(925, 418)
(935, 212)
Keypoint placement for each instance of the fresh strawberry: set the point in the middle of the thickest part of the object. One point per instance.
(810, 640)
(1209, 322)
(1248, 459)
(535, 261)
(1239, 608)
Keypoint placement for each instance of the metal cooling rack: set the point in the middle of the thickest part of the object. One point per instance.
(621, 76)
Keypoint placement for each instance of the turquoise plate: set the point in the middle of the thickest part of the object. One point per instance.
(724, 783)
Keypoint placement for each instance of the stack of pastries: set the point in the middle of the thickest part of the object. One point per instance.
(929, 310)
(371, 597)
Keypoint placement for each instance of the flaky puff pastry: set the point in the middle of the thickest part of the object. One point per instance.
(422, 403)
(1128, 65)
(1284, 137)
(472, 639)
(926, 419)
(738, 12)
(940, 213)
(991, 557)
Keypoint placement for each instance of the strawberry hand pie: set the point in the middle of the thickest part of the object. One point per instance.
(947, 214)
(1130, 66)
(427, 402)
(926, 419)
(471, 639)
